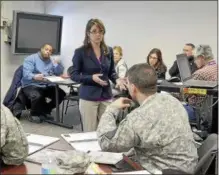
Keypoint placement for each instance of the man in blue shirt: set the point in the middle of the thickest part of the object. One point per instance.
(35, 68)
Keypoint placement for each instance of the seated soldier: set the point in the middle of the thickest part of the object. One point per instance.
(35, 68)
(14, 145)
(158, 129)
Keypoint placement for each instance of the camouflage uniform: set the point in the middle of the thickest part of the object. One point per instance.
(158, 130)
(14, 145)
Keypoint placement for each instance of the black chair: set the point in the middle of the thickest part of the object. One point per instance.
(207, 153)
(206, 123)
(72, 96)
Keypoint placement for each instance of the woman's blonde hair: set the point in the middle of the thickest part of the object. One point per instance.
(119, 49)
(89, 25)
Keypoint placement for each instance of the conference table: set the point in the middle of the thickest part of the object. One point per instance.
(66, 82)
(177, 88)
(35, 168)
(164, 85)
(210, 105)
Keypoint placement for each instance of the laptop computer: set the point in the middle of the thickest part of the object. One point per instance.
(186, 75)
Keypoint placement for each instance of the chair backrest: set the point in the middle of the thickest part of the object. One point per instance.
(15, 84)
(206, 152)
(70, 69)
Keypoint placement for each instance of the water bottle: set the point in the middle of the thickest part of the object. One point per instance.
(49, 165)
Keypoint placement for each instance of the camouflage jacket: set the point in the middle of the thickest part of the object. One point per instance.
(14, 145)
(158, 130)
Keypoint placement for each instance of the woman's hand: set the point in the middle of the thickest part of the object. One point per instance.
(96, 78)
(121, 84)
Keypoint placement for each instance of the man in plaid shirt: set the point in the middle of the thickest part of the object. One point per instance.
(207, 66)
(158, 129)
(207, 71)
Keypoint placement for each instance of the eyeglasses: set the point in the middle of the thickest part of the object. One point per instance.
(154, 58)
(97, 32)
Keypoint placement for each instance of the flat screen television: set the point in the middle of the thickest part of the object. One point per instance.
(32, 30)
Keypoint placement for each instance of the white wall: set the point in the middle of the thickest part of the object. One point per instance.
(10, 62)
(139, 26)
(136, 26)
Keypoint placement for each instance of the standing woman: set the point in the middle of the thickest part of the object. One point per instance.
(93, 67)
(155, 60)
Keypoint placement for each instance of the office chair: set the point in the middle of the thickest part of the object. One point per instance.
(207, 153)
(72, 96)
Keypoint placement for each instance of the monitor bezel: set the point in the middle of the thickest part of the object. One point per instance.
(27, 15)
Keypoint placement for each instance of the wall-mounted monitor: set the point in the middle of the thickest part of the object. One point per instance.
(32, 30)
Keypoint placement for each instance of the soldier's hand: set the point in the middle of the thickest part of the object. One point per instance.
(121, 103)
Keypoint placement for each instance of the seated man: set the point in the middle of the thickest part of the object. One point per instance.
(188, 51)
(207, 71)
(35, 68)
(207, 66)
(14, 145)
(158, 129)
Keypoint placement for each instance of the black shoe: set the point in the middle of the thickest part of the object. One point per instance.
(46, 117)
(35, 119)
(25, 114)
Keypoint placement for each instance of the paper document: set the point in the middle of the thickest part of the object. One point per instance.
(178, 83)
(42, 140)
(105, 157)
(86, 141)
(94, 168)
(34, 148)
(86, 136)
(86, 146)
(54, 78)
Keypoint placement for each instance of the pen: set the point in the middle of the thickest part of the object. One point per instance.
(87, 140)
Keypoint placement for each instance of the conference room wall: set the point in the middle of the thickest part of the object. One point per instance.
(139, 26)
(10, 62)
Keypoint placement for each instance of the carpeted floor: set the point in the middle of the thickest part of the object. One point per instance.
(72, 117)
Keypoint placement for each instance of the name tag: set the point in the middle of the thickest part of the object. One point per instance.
(195, 91)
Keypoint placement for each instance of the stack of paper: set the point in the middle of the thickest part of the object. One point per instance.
(83, 141)
(41, 139)
(38, 142)
(54, 78)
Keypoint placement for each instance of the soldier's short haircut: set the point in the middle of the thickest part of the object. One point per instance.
(144, 77)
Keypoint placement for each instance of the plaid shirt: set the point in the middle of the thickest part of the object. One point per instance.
(160, 134)
(208, 73)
